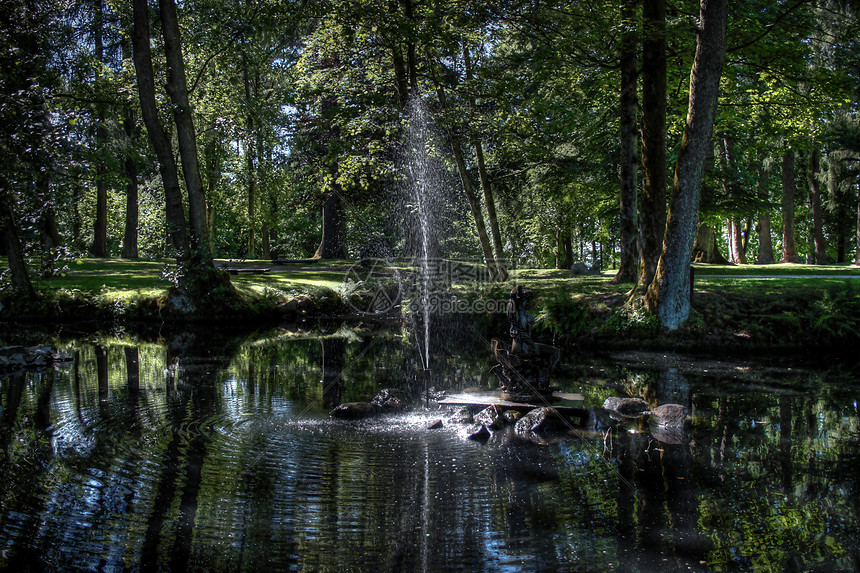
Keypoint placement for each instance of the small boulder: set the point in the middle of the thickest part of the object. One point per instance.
(478, 432)
(578, 269)
(669, 433)
(669, 415)
(354, 410)
(435, 425)
(491, 418)
(627, 407)
(540, 420)
(512, 416)
(461, 416)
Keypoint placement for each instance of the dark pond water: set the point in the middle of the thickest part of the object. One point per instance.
(216, 453)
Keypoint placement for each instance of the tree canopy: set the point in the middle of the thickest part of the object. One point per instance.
(289, 120)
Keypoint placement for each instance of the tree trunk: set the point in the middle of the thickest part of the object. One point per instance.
(176, 223)
(249, 157)
(817, 216)
(765, 242)
(857, 237)
(469, 190)
(789, 248)
(129, 241)
(567, 249)
(177, 88)
(736, 252)
(132, 213)
(628, 267)
(489, 199)
(705, 248)
(669, 294)
(11, 245)
(99, 246)
(653, 213)
(332, 244)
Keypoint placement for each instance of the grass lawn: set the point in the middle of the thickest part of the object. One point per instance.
(116, 278)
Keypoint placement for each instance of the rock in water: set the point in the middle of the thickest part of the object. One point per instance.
(461, 416)
(540, 420)
(354, 410)
(669, 415)
(390, 400)
(491, 418)
(629, 407)
(512, 416)
(479, 433)
(435, 425)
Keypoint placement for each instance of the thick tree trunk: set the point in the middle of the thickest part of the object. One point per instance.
(789, 248)
(653, 212)
(11, 245)
(177, 88)
(817, 215)
(669, 294)
(332, 244)
(567, 249)
(129, 241)
(628, 267)
(705, 248)
(176, 223)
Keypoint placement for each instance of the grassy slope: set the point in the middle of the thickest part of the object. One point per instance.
(782, 305)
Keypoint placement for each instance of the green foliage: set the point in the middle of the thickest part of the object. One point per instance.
(632, 321)
(564, 316)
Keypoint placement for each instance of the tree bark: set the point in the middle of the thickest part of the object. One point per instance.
(628, 267)
(705, 248)
(249, 157)
(469, 190)
(332, 244)
(669, 293)
(11, 245)
(857, 237)
(177, 88)
(789, 248)
(99, 246)
(736, 251)
(132, 211)
(653, 212)
(817, 215)
(176, 222)
(486, 187)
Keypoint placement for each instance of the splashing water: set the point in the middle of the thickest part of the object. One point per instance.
(422, 187)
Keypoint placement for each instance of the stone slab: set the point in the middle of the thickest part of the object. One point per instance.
(563, 401)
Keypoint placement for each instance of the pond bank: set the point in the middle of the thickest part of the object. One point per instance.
(782, 319)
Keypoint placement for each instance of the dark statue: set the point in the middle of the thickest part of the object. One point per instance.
(524, 368)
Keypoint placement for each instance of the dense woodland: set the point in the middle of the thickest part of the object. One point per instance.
(607, 133)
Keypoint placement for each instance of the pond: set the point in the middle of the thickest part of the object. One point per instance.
(211, 452)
